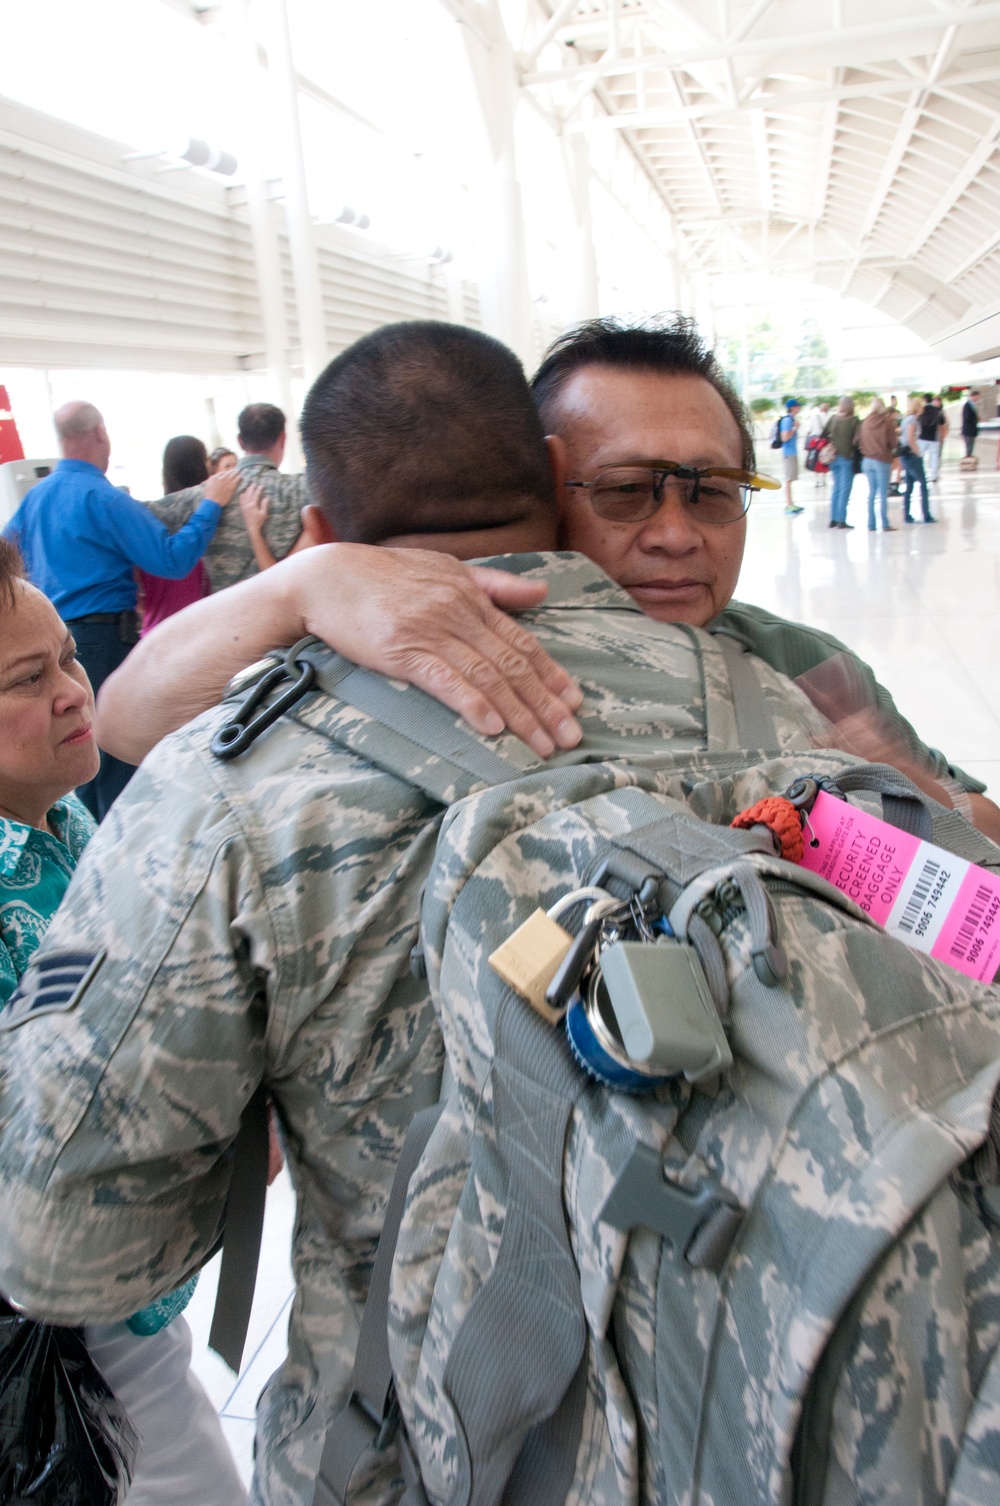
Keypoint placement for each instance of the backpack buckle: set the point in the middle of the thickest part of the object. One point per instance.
(356, 1428)
(701, 1224)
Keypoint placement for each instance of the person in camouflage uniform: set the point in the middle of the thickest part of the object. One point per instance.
(230, 556)
(253, 920)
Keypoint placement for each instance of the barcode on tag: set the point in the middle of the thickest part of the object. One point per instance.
(915, 903)
(931, 899)
(970, 925)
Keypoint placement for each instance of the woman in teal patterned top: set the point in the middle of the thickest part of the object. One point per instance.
(47, 748)
(36, 866)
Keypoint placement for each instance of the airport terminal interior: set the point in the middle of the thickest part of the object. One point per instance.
(202, 202)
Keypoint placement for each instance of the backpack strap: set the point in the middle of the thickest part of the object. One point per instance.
(419, 740)
(529, 1314)
(241, 1237)
(370, 1417)
(754, 723)
(416, 738)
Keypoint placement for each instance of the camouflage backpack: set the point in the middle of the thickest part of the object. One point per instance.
(776, 1283)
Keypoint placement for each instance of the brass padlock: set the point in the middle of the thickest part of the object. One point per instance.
(529, 960)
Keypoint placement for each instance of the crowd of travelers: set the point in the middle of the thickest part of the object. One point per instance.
(493, 621)
(895, 451)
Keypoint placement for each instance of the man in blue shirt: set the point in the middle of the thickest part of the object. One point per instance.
(788, 428)
(81, 539)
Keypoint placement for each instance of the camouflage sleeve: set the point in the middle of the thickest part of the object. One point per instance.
(226, 924)
(175, 509)
(284, 515)
(126, 1058)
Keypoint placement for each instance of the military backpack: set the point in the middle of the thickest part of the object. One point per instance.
(772, 1275)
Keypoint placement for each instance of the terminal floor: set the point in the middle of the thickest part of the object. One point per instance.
(922, 607)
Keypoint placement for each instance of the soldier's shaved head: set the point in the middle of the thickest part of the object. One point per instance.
(425, 428)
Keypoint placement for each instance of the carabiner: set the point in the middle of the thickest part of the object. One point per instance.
(242, 728)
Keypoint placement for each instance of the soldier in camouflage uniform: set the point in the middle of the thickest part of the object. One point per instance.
(230, 556)
(253, 920)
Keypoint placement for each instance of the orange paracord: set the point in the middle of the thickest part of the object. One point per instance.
(783, 819)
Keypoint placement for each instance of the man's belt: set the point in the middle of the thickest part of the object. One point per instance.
(127, 623)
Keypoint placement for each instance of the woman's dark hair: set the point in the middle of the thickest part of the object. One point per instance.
(11, 571)
(185, 463)
(217, 455)
(670, 343)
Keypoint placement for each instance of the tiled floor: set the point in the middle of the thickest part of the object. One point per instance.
(922, 607)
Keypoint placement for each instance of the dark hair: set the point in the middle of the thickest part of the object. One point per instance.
(11, 571)
(928, 397)
(185, 463)
(669, 343)
(260, 426)
(218, 452)
(424, 427)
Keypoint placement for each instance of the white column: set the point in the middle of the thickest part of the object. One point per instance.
(456, 294)
(267, 259)
(505, 298)
(680, 290)
(301, 237)
(584, 303)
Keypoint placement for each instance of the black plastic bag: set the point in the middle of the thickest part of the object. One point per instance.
(65, 1438)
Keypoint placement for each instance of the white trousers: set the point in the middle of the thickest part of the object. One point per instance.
(185, 1460)
(930, 449)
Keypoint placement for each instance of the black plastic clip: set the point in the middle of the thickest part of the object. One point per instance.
(243, 728)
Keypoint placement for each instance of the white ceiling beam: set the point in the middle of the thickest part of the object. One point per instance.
(547, 34)
(824, 160)
(699, 148)
(784, 44)
(786, 240)
(685, 17)
(675, 11)
(970, 98)
(469, 13)
(652, 178)
(989, 244)
(749, 21)
(901, 143)
(758, 129)
(828, 133)
(794, 98)
(971, 170)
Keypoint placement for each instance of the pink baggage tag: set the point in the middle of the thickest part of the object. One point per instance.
(935, 902)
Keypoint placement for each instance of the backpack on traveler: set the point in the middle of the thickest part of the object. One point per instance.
(776, 437)
(771, 1277)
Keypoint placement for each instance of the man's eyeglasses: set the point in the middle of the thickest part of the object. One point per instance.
(715, 494)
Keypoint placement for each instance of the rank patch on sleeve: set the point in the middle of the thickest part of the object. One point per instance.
(52, 985)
